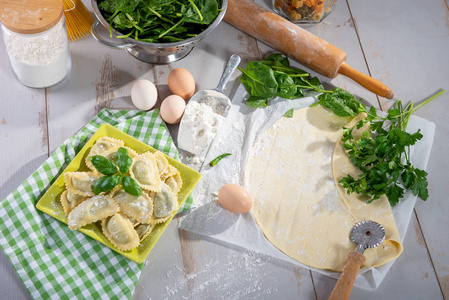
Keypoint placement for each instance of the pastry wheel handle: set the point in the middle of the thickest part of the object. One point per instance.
(366, 81)
(344, 285)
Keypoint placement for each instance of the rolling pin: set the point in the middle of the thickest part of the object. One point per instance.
(297, 43)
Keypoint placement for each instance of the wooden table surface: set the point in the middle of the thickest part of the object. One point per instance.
(404, 44)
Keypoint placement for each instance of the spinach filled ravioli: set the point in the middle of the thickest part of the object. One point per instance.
(126, 217)
(145, 171)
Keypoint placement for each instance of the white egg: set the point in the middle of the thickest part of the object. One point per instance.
(172, 109)
(144, 94)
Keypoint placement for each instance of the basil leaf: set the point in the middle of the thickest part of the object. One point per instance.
(131, 187)
(106, 183)
(217, 159)
(97, 185)
(124, 161)
(103, 165)
(289, 113)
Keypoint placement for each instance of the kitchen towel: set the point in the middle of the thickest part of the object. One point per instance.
(53, 261)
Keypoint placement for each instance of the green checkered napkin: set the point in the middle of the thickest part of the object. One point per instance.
(53, 261)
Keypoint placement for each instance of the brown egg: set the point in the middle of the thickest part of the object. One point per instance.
(235, 198)
(181, 83)
(172, 109)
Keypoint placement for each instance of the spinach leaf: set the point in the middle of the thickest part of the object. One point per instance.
(341, 102)
(159, 21)
(259, 80)
(200, 11)
(257, 102)
(289, 113)
(277, 60)
(275, 77)
(286, 86)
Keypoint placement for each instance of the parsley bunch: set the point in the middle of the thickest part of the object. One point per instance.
(113, 175)
(383, 155)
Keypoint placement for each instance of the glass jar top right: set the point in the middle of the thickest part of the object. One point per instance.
(304, 11)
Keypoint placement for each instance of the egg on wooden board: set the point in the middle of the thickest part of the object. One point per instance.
(181, 83)
(144, 94)
(235, 198)
(172, 109)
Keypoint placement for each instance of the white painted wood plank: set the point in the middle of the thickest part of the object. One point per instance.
(230, 273)
(23, 147)
(163, 274)
(23, 128)
(409, 51)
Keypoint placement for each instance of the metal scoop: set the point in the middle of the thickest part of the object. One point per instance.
(186, 133)
(366, 234)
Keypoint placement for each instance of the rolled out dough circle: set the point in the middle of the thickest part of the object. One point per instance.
(297, 203)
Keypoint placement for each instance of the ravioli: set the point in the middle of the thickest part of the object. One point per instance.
(171, 171)
(144, 230)
(92, 210)
(165, 204)
(139, 208)
(162, 163)
(125, 220)
(174, 182)
(81, 183)
(120, 232)
(70, 200)
(102, 146)
(145, 171)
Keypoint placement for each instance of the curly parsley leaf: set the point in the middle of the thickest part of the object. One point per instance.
(383, 155)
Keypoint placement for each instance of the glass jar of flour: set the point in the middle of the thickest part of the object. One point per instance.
(36, 41)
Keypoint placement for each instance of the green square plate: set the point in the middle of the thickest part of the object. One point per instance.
(50, 204)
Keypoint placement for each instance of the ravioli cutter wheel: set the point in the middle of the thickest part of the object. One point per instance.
(365, 234)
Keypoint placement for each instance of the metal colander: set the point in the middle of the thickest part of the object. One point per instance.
(157, 53)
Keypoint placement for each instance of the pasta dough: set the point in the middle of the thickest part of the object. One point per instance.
(298, 204)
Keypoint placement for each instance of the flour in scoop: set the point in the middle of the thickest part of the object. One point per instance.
(200, 123)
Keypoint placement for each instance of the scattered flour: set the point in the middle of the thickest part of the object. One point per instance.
(239, 278)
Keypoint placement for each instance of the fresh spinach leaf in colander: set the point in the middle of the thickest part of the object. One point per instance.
(159, 21)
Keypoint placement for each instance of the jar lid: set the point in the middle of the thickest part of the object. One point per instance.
(30, 16)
